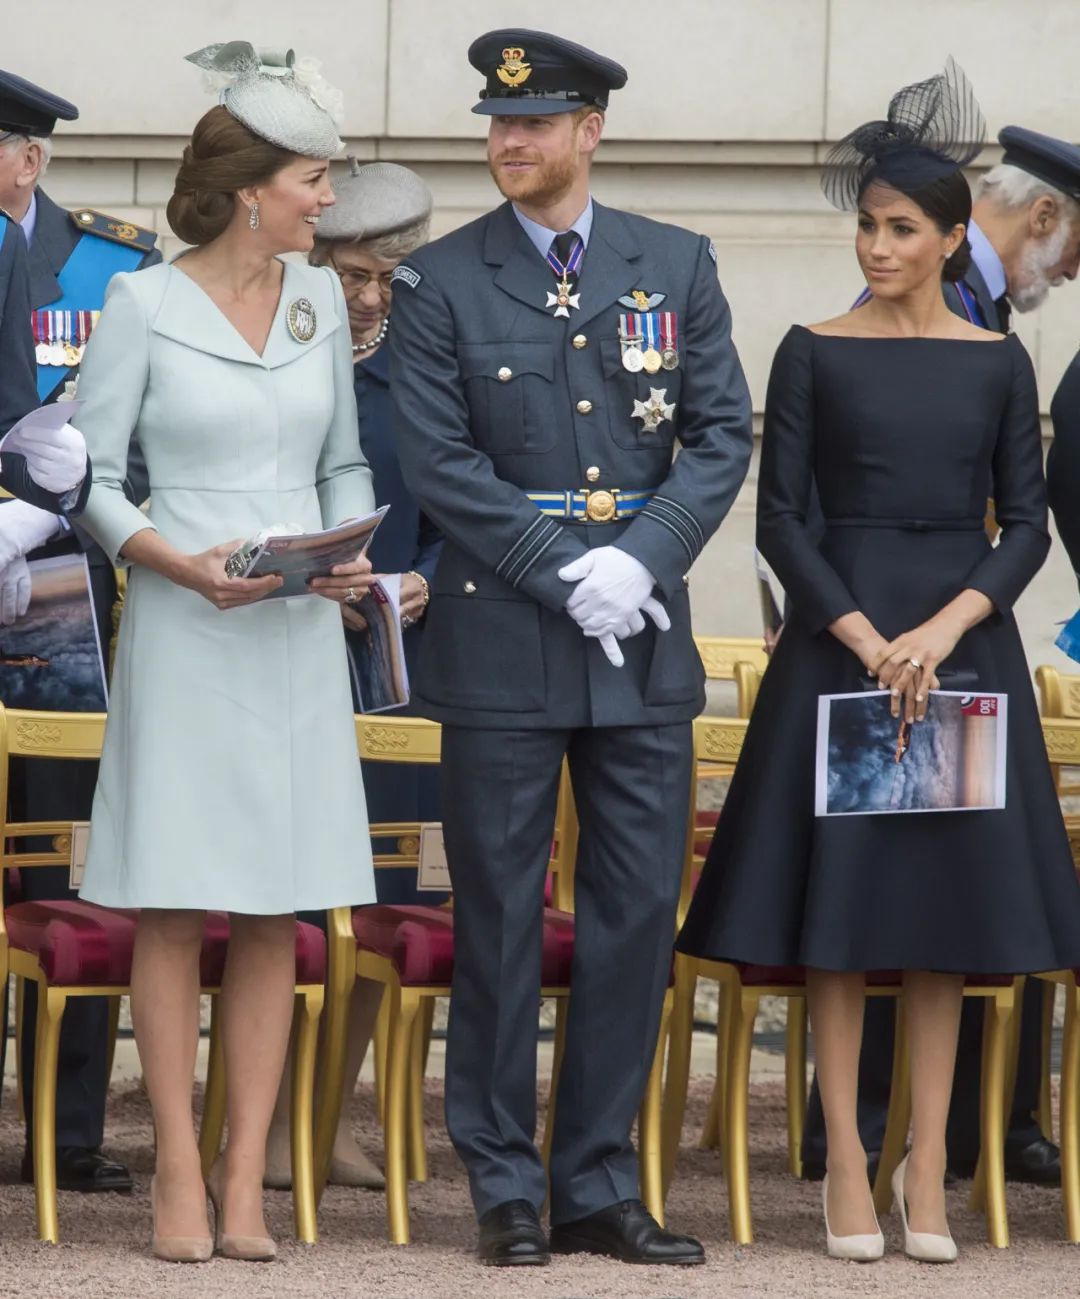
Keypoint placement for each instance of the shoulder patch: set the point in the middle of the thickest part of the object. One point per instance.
(107, 227)
(712, 251)
(407, 275)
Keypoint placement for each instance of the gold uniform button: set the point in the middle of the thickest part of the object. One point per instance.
(505, 373)
(470, 588)
(579, 341)
(592, 473)
(583, 407)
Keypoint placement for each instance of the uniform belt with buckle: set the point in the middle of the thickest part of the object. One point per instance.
(597, 506)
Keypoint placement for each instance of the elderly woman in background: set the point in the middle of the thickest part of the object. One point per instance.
(382, 214)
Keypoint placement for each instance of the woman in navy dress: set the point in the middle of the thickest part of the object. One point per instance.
(381, 214)
(900, 414)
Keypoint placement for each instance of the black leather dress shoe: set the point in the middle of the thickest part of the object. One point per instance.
(1039, 1162)
(78, 1169)
(626, 1231)
(511, 1236)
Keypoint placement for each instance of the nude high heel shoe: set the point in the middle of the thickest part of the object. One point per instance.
(867, 1248)
(921, 1245)
(250, 1249)
(177, 1249)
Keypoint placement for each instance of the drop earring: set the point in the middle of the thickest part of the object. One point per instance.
(253, 216)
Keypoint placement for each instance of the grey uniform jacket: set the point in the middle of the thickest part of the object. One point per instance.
(495, 397)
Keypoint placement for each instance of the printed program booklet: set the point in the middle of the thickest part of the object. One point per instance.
(871, 762)
(376, 650)
(299, 557)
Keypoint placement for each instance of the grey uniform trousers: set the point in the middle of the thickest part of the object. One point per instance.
(499, 791)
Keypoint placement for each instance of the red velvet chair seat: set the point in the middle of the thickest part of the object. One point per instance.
(419, 941)
(78, 944)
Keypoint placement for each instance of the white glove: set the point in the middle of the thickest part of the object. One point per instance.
(611, 585)
(14, 591)
(55, 458)
(23, 528)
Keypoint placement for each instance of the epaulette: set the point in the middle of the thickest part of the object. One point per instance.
(121, 232)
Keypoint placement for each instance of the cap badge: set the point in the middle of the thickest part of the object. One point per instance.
(300, 319)
(513, 71)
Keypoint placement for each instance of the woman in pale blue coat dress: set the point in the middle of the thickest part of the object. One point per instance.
(230, 778)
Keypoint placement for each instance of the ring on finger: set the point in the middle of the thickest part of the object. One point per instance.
(350, 596)
(915, 663)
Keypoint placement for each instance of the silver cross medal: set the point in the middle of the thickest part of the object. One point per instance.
(654, 411)
(563, 300)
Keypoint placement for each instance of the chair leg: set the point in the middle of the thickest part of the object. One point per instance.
(712, 1134)
(114, 1029)
(1070, 1113)
(650, 1123)
(405, 1003)
(417, 1155)
(989, 1188)
(50, 1017)
(302, 1117)
(213, 1115)
(428, 1029)
(562, 1009)
(1045, 1113)
(737, 1138)
(330, 1087)
(795, 1080)
(20, 1010)
(381, 1045)
(678, 1067)
(899, 1117)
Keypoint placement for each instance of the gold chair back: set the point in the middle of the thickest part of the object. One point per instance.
(1059, 696)
(717, 740)
(720, 654)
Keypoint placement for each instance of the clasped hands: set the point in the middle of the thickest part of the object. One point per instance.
(55, 458)
(907, 667)
(612, 596)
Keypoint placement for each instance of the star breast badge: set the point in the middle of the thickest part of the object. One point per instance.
(654, 411)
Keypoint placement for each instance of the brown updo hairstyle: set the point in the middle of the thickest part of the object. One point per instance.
(223, 156)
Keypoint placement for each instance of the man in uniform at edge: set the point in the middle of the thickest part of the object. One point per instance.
(536, 428)
(72, 257)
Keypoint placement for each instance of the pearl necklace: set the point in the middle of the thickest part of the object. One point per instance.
(373, 342)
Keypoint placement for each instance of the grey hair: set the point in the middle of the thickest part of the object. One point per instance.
(43, 142)
(390, 247)
(1011, 187)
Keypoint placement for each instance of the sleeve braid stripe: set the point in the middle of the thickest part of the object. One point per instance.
(675, 525)
(527, 555)
(691, 521)
(535, 556)
(537, 525)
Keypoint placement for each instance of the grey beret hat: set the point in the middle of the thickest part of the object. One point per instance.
(376, 199)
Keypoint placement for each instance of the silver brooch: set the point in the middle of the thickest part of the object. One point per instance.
(301, 320)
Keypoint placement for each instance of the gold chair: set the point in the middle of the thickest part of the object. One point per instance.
(741, 989)
(360, 948)
(72, 948)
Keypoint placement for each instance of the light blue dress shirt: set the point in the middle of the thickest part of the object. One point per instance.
(29, 222)
(987, 260)
(541, 236)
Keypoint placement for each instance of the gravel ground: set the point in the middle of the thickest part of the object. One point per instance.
(105, 1250)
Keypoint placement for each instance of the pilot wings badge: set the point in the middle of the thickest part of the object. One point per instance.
(513, 71)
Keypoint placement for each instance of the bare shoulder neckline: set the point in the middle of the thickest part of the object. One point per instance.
(990, 337)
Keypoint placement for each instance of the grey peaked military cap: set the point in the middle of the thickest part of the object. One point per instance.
(26, 109)
(376, 199)
(1054, 161)
(532, 73)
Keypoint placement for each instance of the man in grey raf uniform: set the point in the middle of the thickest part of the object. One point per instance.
(72, 257)
(543, 362)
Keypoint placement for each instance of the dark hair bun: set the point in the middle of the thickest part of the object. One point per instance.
(958, 264)
(223, 156)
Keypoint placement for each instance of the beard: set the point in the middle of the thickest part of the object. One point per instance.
(544, 185)
(1033, 281)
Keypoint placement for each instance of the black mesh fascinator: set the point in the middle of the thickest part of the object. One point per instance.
(933, 128)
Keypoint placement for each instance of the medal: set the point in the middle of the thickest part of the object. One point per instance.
(653, 412)
(564, 298)
(41, 347)
(301, 320)
(633, 358)
(71, 330)
(56, 347)
(651, 361)
(669, 354)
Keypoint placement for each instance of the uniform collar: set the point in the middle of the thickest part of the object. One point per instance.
(541, 236)
(55, 237)
(985, 257)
